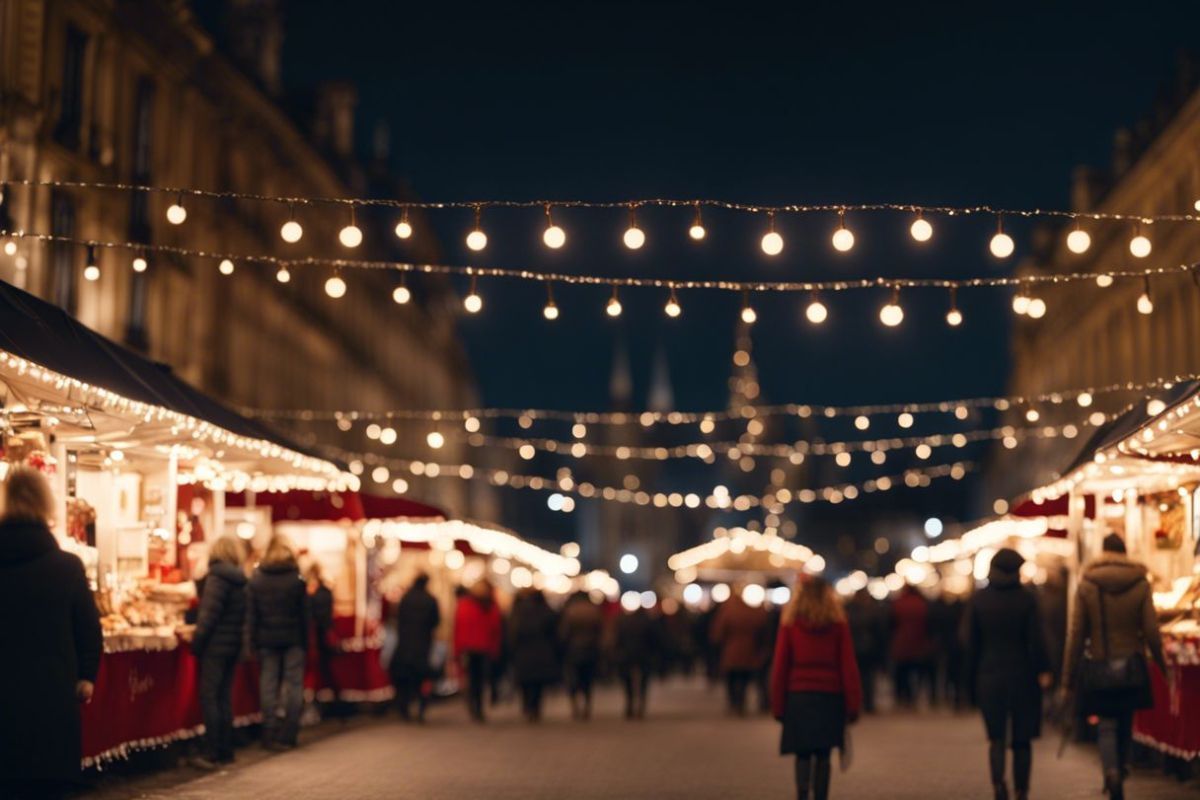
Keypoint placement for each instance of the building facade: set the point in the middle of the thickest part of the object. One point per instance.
(141, 92)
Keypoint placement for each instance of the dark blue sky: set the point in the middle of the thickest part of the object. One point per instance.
(772, 103)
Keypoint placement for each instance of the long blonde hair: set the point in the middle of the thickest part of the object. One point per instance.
(27, 496)
(279, 551)
(228, 549)
(814, 602)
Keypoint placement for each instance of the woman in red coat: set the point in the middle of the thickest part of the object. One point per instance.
(478, 636)
(815, 686)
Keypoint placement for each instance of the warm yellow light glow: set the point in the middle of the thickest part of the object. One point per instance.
(891, 314)
(435, 440)
(1020, 302)
(91, 273)
(613, 309)
(554, 237)
(772, 243)
(140, 264)
(350, 236)
(387, 436)
(1001, 245)
(905, 420)
(1078, 241)
(862, 422)
(401, 294)
(550, 311)
(634, 238)
(843, 240)
(954, 318)
(10, 248)
(1139, 246)
(816, 312)
(697, 232)
(335, 287)
(1084, 399)
(1144, 304)
(404, 229)
(225, 267)
(1037, 308)
(921, 230)
(291, 231)
(1104, 281)
(176, 214)
(672, 307)
(749, 315)
(282, 275)
(473, 303)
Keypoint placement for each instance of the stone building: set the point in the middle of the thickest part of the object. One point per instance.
(142, 92)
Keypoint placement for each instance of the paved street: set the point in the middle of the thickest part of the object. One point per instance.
(687, 749)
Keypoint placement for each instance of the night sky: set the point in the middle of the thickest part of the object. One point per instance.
(762, 103)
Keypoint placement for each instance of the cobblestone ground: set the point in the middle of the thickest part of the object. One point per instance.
(687, 748)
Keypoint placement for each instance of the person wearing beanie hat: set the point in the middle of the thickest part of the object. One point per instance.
(1007, 668)
(1113, 627)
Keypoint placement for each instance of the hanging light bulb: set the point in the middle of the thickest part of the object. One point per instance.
(404, 229)
(291, 231)
(749, 315)
(282, 275)
(1020, 301)
(892, 314)
(1037, 308)
(1145, 305)
(225, 267)
(672, 307)
(139, 263)
(176, 213)
(633, 238)
(921, 230)
(473, 303)
(1002, 244)
(816, 312)
(954, 317)
(1078, 240)
(351, 235)
(613, 309)
(772, 242)
(335, 287)
(697, 231)
(1139, 245)
(401, 294)
(435, 440)
(91, 272)
(550, 312)
(843, 239)
(554, 236)
(10, 247)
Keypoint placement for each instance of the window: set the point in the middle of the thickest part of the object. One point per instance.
(139, 208)
(70, 115)
(62, 253)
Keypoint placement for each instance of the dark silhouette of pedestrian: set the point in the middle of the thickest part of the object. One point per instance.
(218, 641)
(53, 631)
(478, 638)
(741, 632)
(1007, 668)
(911, 648)
(279, 621)
(636, 649)
(1113, 626)
(320, 598)
(581, 630)
(417, 619)
(815, 686)
(868, 622)
(533, 643)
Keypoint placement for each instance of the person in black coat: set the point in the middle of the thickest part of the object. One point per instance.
(417, 619)
(53, 628)
(320, 600)
(278, 612)
(637, 645)
(1007, 668)
(218, 642)
(532, 637)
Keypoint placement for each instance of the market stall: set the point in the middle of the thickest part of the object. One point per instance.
(764, 564)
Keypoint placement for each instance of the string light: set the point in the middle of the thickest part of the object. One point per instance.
(351, 236)
(435, 440)
(772, 242)
(10, 248)
(954, 317)
(473, 303)
(613, 309)
(816, 312)
(633, 238)
(404, 229)
(282, 275)
(1078, 240)
(335, 286)
(697, 231)
(477, 239)
(1037, 308)
(402, 295)
(550, 312)
(672, 307)
(225, 267)
(554, 236)
(91, 271)
(749, 315)
(892, 314)
(1145, 304)
(1002, 244)
(843, 238)
(1084, 399)
(176, 213)
(1020, 301)
(1104, 280)
(139, 263)
(1139, 245)
(921, 230)
(291, 231)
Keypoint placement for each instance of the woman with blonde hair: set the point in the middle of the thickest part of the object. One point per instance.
(815, 686)
(217, 643)
(279, 621)
(50, 613)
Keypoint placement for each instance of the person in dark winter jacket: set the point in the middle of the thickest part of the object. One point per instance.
(1007, 668)
(478, 640)
(51, 622)
(1113, 623)
(417, 619)
(741, 632)
(868, 622)
(320, 601)
(581, 630)
(279, 622)
(533, 643)
(637, 646)
(815, 686)
(218, 641)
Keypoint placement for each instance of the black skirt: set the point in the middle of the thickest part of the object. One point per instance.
(813, 721)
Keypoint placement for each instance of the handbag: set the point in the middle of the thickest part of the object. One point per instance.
(1108, 674)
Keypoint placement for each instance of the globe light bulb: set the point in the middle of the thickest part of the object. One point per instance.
(1037, 308)
(672, 307)
(91, 273)
(891, 314)
(1001, 245)
(843, 240)
(282, 275)
(401, 295)
(1084, 399)
(1144, 304)
(1078, 241)
(176, 213)
(554, 237)
(954, 318)
(772, 243)
(816, 312)
(1020, 302)
(477, 240)
(1196, 205)
(921, 230)
(697, 232)
(350, 236)
(291, 231)
(749, 315)
(225, 267)
(140, 264)
(335, 287)
(10, 248)
(613, 309)
(1104, 281)
(404, 229)
(473, 303)
(1139, 246)
(550, 311)
(435, 440)
(634, 238)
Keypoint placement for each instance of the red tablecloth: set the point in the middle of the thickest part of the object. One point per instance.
(148, 698)
(1173, 725)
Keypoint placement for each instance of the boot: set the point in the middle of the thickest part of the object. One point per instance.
(1001, 791)
(1114, 785)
